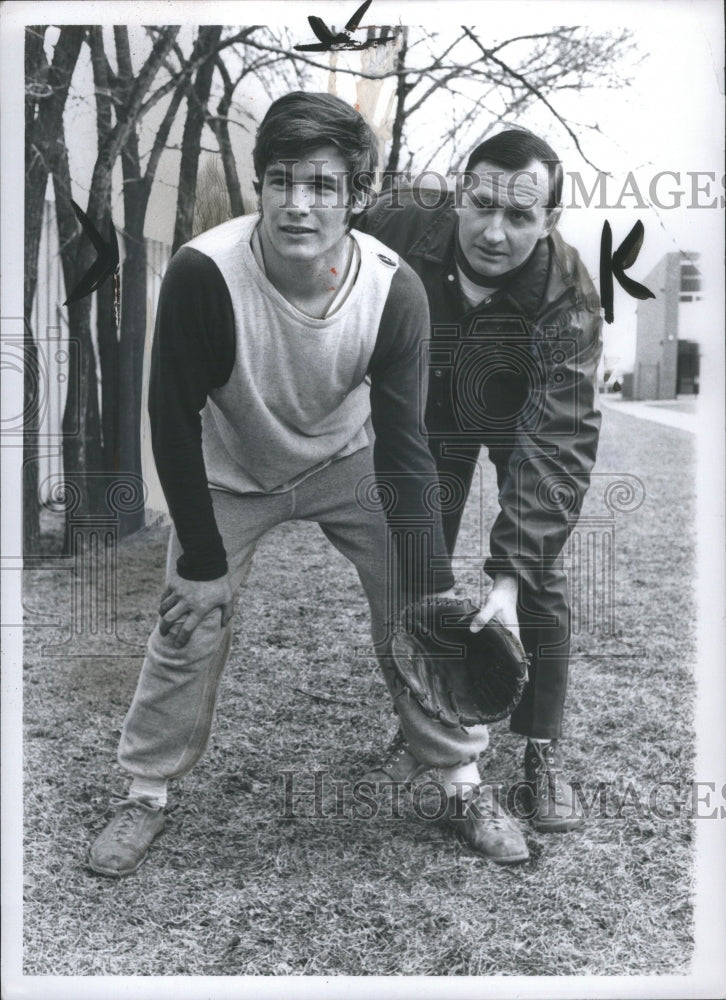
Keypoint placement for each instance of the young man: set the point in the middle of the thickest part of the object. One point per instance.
(278, 336)
(515, 344)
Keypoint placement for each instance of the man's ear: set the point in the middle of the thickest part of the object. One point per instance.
(359, 203)
(552, 218)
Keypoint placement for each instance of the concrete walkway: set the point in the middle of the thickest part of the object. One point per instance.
(681, 413)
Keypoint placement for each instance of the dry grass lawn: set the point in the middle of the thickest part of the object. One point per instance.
(236, 887)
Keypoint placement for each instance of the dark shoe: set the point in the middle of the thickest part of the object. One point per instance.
(125, 841)
(555, 807)
(400, 766)
(486, 827)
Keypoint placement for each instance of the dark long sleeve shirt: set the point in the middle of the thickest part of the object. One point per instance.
(196, 353)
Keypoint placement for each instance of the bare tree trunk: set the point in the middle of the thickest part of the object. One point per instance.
(133, 299)
(82, 448)
(35, 76)
(108, 359)
(31, 401)
(110, 149)
(133, 325)
(207, 41)
(46, 90)
(220, 126)
(44, 134)
(106, 332)
(121, 352)
(402, 91)
(82, 452)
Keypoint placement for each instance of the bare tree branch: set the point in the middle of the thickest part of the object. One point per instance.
(534, 90)
(207, 42)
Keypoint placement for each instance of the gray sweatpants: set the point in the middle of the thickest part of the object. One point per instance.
(169, 722)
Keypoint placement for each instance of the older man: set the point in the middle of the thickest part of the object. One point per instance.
(515, 344)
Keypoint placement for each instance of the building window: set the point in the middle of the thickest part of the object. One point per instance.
(690, 284)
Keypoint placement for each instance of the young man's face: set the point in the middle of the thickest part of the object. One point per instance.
(501, 219)
(305, 204)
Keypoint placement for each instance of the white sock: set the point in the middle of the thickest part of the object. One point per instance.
(151, 789)
(461, 779)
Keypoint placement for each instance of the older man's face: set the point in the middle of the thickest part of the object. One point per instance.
(501, 219)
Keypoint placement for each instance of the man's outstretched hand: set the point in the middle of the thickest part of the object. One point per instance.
(500, 603)
(185, 603)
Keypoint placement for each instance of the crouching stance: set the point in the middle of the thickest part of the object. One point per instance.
(515, 346)
(280, 338)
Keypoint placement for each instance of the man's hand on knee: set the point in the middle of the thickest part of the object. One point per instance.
(186, 602)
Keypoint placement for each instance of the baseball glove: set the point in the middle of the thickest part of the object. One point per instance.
(459, 677)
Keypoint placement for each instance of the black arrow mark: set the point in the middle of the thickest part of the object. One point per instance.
(105, 265)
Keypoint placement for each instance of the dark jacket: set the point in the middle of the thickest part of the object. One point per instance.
(517, 373)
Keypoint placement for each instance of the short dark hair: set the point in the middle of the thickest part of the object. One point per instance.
(300, 122)
(514, 149)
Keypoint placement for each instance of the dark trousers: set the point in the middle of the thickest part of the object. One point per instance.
(543, 613)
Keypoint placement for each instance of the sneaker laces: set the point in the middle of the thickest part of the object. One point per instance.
(127, 813)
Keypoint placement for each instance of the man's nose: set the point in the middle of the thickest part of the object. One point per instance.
(301, 199)
(493, 230)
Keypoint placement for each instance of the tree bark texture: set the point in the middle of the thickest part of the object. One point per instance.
(402, 90)
(46, 90)
(82, 451)
(106, 332)
(197, 99)
(44, 134)
(220, 127)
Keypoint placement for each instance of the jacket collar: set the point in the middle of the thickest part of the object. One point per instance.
(528, 290)
(436, 243)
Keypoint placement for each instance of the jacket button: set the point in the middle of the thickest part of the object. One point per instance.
(449, 277)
